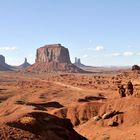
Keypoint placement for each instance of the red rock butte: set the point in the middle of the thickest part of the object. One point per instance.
(53, 58)
(54, 52)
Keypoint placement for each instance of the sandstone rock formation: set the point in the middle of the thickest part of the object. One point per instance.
(135, 67)
(78, 62)
(53, 58)
(53, 53)
(3, 65)
(24, 65)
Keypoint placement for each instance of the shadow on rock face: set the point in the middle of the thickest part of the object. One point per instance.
(91, 98)
(40, 106)
(47, 126)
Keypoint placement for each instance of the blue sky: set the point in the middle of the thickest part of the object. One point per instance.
(100, 32)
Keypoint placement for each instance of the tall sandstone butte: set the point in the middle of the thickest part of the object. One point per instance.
(53, 53)
(53, 58)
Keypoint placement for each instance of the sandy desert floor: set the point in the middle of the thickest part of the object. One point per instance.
(85, 99)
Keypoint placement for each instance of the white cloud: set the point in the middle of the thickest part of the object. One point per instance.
(116, 54)
(8, 48)
(99, 48)
(128, 53)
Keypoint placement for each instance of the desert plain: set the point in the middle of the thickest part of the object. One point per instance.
(59, 106)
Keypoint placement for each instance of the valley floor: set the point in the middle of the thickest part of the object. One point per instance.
(82, 98)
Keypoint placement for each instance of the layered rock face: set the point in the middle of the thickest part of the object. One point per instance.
(53, 58)
(53, 53)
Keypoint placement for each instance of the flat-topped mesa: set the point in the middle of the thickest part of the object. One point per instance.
(53, 53)
(53, 58)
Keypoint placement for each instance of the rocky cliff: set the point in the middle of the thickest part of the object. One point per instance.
(53, 53)
(53, 58)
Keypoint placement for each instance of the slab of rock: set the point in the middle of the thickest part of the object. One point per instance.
(97, 118)
(109, 114)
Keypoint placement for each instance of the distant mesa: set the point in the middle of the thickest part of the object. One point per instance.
(53, 58)
(3, 65)
(78, 62)
(24, 65)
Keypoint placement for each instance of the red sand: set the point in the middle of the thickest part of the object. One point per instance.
(78, 97)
